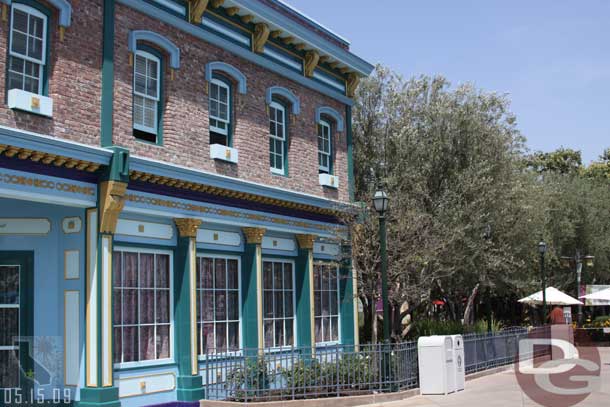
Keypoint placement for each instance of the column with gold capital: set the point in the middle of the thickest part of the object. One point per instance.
(189, 383)
(252, 290)
(304, 292)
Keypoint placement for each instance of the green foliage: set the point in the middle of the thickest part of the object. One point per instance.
(562, 161)
(430, 327)
(480, 326)
(250, 379)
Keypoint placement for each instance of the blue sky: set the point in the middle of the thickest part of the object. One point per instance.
(550, 56)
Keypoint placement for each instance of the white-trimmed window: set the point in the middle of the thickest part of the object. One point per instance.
(326, 303)
(277, 137)
(10, 310)
(27, 51)
(278, 303)
(220, 112)
(324, 147)
(143, 305)
(218, 304)
(146, 92)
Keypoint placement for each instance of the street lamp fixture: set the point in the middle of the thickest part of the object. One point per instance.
(381, 202)
(542, 250)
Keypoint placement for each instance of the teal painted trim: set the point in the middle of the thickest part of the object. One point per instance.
(201, 252)
(107, 74)
(189, 388)
(182, 309)
(309, 36)
(249, 327)
(45, 68)
(146, 367)
(99, 397)
(64, 7)
(118, 170)
(240, 78)
(150, 36)
(278, 97)
(160, 110)
(333, 114)
(198, 32)
(227, 81)
(191, 175)
(350, 153)
(52, 145)
(346, 302)
(286, 94)
(303, 299)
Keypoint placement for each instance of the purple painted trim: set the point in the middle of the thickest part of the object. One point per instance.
(49, 170)
(233, 202)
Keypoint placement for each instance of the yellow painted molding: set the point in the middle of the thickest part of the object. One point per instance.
(197, 8)
(261, 35)
(276, 33)
(353, 80)
(217, 3)
(310, 63)
(254, 235)
(187, 227)
(247, 18)
(232, 10)
(112, 200)
(306, 241)
(47, 159)
(324, 58)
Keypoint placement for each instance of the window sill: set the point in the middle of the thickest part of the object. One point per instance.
(279, 174)
(146, 364)
(30, 102)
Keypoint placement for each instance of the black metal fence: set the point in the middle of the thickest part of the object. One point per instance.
(338, 370)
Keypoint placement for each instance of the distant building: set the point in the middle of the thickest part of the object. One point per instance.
(172, 175)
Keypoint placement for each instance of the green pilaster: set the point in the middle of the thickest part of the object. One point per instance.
(304, 292)
(251, 280)
(189, 383)
(350, 152)
(347, 297)
(107, 74)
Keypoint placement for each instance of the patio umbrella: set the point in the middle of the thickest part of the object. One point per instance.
(600, 295)
(553, 297)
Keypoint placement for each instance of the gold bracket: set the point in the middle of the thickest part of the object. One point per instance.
(254, 235)
(261, 34)
(352, 84)
(306, 241)
(310, 63)
(187, 227)
(112, 200)
(197, 8)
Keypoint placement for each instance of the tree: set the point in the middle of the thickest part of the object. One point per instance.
(563, 161)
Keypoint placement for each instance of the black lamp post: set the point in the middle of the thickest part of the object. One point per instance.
(381, 201)
(542, 250)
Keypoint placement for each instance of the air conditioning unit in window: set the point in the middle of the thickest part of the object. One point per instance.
(331, 181)
(223, 153)
(30, 102)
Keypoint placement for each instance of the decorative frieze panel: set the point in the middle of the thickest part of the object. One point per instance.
(218, 237)
(278, 243)
(24, 226)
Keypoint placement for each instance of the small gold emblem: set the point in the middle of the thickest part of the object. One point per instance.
(71, 225)
(35, 102)
(215, 236)
(228, 154)
(275, 243)
(141, 228)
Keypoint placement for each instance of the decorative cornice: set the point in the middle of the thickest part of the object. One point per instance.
(254, 235)
(112, 200)
(196, 9)
(187, 227)
(352, 84)
(47, 158)
(176, 183)
(306, 241)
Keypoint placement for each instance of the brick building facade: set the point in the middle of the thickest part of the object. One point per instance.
(172, 177)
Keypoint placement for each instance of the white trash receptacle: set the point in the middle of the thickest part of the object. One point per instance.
(436, 365)
(458, 362)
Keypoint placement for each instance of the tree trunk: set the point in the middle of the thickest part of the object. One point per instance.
(469, 314)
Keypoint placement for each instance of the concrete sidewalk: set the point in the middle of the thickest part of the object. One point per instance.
(502, 390)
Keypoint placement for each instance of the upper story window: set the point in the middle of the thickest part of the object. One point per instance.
(146, 96)
(324, 147)
(27, 50)
(220, 111)
(277, 138)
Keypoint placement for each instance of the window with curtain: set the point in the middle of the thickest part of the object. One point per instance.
(217, 304)
(146, 95)
(277, 137)
(27, 49)
(142, 305)
(326, 303)
(220, 111)
(324, 147)
(278, 303)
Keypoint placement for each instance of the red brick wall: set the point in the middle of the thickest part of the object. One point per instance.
(185, 120)
(74, 69)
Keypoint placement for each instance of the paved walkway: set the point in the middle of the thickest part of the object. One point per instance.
(502, 390)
